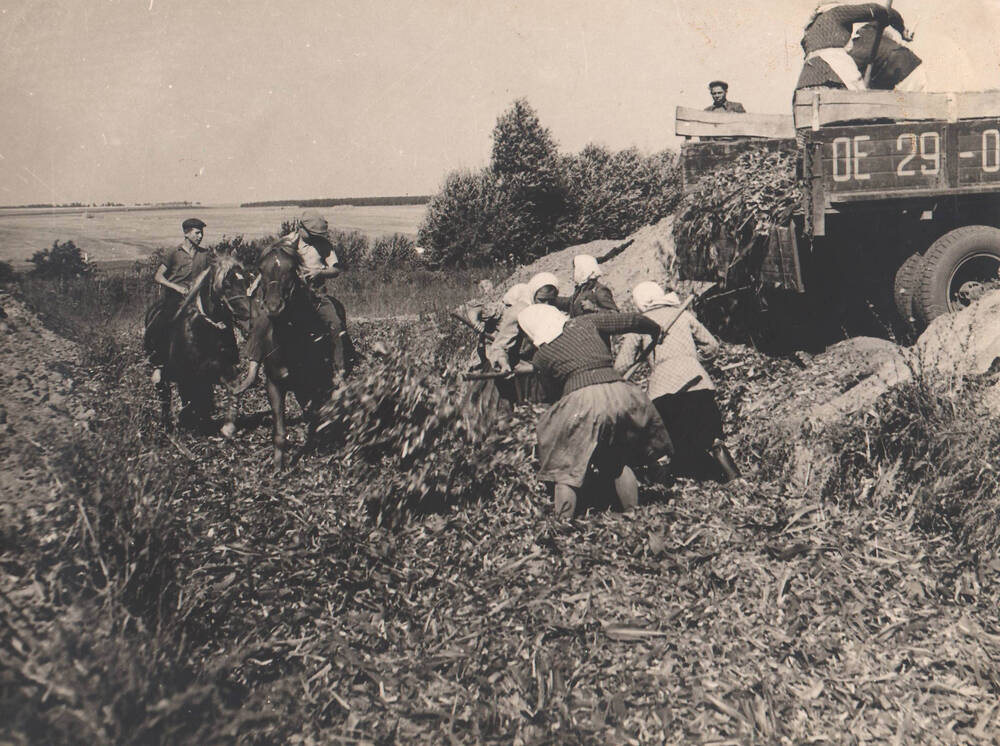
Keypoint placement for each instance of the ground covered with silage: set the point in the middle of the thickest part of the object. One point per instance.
(173, 589)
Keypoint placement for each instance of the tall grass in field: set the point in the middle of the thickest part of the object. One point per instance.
(378, 281)
(76, 306)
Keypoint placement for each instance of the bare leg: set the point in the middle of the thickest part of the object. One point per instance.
(248, 381)
(229, 424)
(163, 390)
(277, 398)
(627, 489)
(565, 502)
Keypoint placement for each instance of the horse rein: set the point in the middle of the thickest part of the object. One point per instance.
(200, 308)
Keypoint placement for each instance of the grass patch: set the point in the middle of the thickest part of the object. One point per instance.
(178, 591)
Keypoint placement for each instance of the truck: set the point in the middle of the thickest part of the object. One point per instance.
(900, 194)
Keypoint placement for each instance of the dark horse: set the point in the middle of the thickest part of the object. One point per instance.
(202, 346)
(298, 351)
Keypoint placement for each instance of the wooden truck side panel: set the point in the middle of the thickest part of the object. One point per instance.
(880, 158)
(918, 159)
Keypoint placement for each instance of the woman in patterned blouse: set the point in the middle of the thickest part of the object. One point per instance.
(599, 422)
(681, 389)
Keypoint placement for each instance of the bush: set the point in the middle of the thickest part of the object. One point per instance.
(391, 252)
(245, 252)
(351, 247)
(615, 194)
(7, 273)
(62, 261)
(456, 231)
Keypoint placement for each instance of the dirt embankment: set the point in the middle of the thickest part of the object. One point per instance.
(648, 254)
(42, 384)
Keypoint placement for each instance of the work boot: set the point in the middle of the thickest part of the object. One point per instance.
(721, 455)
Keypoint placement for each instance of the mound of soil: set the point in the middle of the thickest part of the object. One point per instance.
(648, 254)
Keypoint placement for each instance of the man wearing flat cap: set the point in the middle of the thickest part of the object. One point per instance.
(310, 244)
(180, 265)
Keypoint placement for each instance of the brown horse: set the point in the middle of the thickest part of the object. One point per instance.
(202, 345)
(298, 352)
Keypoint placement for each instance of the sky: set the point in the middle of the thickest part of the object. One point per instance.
(226, 101)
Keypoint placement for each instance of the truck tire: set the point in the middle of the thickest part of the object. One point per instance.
(906, 285)
(957, 269)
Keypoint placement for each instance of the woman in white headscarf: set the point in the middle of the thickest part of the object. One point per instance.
(599, 422)
(590, 295)
(504, 345)
(681, 389)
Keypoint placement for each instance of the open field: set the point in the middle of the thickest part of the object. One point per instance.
(173, 589)
(126, 235)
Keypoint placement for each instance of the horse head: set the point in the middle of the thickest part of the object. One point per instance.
(229, 288)
(279, 279)
(221, 292)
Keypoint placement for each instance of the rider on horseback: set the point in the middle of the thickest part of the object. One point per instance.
(310, 245)
(175, 273)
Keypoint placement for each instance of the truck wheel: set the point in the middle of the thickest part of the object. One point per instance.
(906, 285)
(957, 269)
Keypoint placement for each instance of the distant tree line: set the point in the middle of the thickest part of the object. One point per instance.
(532, 200)
(61, 205)
(420, 199)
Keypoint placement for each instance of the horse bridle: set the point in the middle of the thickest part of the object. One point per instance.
(226, 301)
(284, 300)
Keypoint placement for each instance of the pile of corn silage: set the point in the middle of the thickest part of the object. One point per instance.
(732, 209)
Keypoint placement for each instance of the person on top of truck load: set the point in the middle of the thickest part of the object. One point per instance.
(825, 39)
(719, 90)
(895, 66)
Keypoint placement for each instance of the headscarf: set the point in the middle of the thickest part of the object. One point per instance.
(648, 295)
(542, 322)
(539, 281)
(516, 294)
(585, 268)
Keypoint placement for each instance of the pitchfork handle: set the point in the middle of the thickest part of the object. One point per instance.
(656, 340)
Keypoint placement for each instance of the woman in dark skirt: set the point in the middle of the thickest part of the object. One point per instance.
(599, 420)
(681, 389)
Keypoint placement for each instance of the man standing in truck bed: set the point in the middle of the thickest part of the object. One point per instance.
(720, 90)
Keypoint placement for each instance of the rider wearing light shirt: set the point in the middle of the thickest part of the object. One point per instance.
(310, 243)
